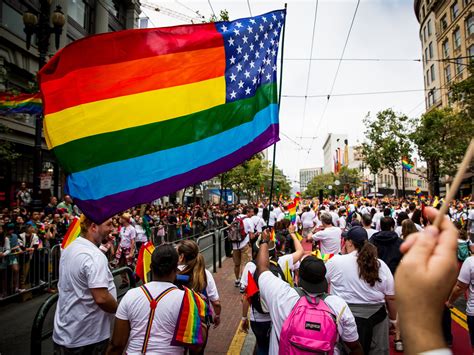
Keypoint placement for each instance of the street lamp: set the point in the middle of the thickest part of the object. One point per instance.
(43, 30)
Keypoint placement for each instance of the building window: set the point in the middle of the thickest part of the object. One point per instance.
(444, 22)
(457, 39)
(446, 48)
(429, 28)
(470, 53)
(432, 73)
(77, 11)
(423, 12)
(426, 55)
(466, 2)
(430, 99)
(459, 65)
(454, 11)
(430, 49)
(470, 24)
(447, 73)
(427, 78)
(12, 20)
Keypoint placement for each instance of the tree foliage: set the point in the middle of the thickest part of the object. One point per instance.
(387, 142)
(349, 179)
(7, 149)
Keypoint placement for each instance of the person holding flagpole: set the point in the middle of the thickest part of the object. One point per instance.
(87, 294)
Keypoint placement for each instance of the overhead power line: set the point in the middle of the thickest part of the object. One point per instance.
(356, 93)
(212, 9)
(250, 9)
(337, 72)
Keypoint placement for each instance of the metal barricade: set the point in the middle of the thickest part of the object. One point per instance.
(38, 334)
(23, 272)
(55, 256)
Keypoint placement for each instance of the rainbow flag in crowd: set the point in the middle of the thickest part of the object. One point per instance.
(134, 115)
(323, 257)
(418, 191)
(143, 267)
(193, 311)
(406, 164)
(20, 103)
(292, 211)
(72, 233)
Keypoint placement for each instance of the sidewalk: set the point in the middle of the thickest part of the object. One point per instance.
(221, 339)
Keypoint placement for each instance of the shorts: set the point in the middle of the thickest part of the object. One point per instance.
(241, 256)
(123, 254)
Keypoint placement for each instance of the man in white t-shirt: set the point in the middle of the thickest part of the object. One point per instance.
(329, 237)
(133, 313)
(126, 250)
(470, 221)
(367, 224)
(277, 210)
(307, 219)
(280, 298)
(87, 294)
(464, 283)
(334, 214)
(257, 221)
(241, 253)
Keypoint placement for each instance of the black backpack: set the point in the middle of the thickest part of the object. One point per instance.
(255, 300)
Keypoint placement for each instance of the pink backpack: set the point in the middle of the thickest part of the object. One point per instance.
(310, 328)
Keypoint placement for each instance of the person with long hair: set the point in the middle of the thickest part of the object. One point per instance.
(192, 265)
(366, 284)
(408, 227)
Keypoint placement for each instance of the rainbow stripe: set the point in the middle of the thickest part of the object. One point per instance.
(193, 311)
(21, 103)
(164, 103)
(323, 257)
(72, 233)
(292, 212)
(406, 164)
(418, 191)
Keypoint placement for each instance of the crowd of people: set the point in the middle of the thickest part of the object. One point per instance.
(340, 295)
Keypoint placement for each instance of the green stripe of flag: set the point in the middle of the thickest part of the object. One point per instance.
(115, 146)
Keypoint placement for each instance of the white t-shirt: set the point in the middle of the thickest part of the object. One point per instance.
(135, 308)
(398, 229)
(141, 235)
(342, 272)
(370, 232)
(307, 218)
(211, 288)
(281, 298)
(330, 240)
(466, 275)
(272, 219)
(335, 217)
(277, 211)
(258, 223)
(471, 219)
(78, 320)
(376, 220)
(341, 222)
(127, 234)
(281, 217)
(249, 228)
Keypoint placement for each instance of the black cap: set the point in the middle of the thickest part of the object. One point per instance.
(358, 234)
(313, 275)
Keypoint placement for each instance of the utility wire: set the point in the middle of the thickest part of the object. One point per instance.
(250, 9)
(149, 18)
(335, 76)
(293, 141)
(309, 67)
(190, 9)
(356, 93)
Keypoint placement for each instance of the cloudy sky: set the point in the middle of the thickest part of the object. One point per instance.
(383, 29)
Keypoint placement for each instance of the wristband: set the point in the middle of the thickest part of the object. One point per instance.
(392, 321)
(244, 318)
(263, 241)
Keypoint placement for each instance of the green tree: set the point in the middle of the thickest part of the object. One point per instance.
(463, 94)
(7, 149)
(441, 137)
(387, 142)
(349, 178)
(321, 182)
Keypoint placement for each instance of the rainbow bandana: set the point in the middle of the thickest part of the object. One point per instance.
(193, 311)
(323, 257)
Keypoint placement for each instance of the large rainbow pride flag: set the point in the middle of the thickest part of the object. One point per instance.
(138, 114)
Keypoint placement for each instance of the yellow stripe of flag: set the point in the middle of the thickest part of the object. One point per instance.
(133, 110)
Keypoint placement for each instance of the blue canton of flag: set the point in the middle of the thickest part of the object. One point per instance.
(251, 48)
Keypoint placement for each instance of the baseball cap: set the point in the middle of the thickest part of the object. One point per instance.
(358, 234)
(313, 275)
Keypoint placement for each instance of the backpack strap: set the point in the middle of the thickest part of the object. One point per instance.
(153, 304)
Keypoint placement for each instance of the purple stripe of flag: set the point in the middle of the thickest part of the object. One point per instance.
(100, 210)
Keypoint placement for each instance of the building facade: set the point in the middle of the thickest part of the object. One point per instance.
(18, 68)
(331, 145)
(447, 39)
(306, 175)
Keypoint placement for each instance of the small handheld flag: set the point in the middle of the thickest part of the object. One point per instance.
(323, 257)
(72, 233)
(252, 287)
(143, 267)
(406, 164)
(288, 276)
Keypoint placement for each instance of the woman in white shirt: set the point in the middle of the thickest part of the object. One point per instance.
(192, 273)
(366, 284)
